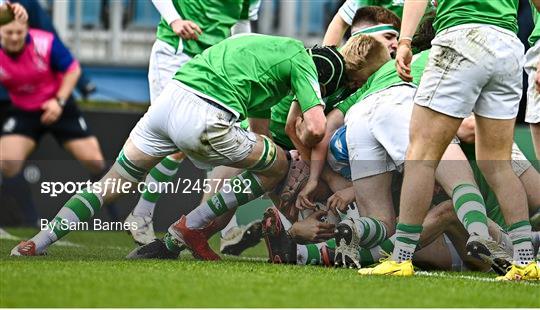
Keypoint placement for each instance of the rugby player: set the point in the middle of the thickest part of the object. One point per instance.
(242, 74)
(474, 66)
(181, 34)
(345, 17)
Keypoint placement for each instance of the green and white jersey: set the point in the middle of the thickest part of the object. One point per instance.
(214, 17)
(535, 35)
(501, 13)
(349, 8)
(250, 73)
(280, 112)
(384, 78)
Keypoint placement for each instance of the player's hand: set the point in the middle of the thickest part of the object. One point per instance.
(341, 199)
(303, 201)
(537, 80)
(51, 111)
(19, 11)
(186, 29)
(403, 60)
(312, 229)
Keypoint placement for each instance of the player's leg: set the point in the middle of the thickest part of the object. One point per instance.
(266, 165)
(370, 167)
(218, 141)
(130, 167)
(494, 140)
(450, 86)
(427, 145)
(493, 155)
(165, 60)
(147, 145)
(235, 238)
(72, 132)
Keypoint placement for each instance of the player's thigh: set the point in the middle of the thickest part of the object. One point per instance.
(454, 168)
(494, 138)
(374, 198)
(430, 134)
(14, 149)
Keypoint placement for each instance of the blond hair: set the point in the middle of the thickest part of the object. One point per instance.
(363, 56)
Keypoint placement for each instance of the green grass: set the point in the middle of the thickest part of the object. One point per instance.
(96, 275)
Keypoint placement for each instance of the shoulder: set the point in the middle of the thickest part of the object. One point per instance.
(42, 40)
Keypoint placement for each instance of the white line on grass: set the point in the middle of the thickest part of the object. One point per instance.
(464, 277)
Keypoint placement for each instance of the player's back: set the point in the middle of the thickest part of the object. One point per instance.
(252, 70)
(500, 13)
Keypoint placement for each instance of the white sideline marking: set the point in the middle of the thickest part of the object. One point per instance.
(7, 236)
(68, 243)
(465, 277)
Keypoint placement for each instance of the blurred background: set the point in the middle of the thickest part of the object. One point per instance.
(113, 39)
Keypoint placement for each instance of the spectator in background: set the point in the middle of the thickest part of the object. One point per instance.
(39, 74)
(39, 19)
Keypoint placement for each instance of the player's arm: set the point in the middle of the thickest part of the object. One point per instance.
(318, 159)
(294, 116)
(335, 32)
(185, 29)
(305, 87)
(341, 22)
(63, 62)
(413, 11)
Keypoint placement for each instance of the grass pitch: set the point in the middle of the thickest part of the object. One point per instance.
(91, 272)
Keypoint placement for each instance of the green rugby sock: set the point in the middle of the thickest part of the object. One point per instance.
(520, 234)
(79, 208)
(310, 254)
(471, 209)
(371, 231)
(155, 185)
(240, 190)
(407, 237)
